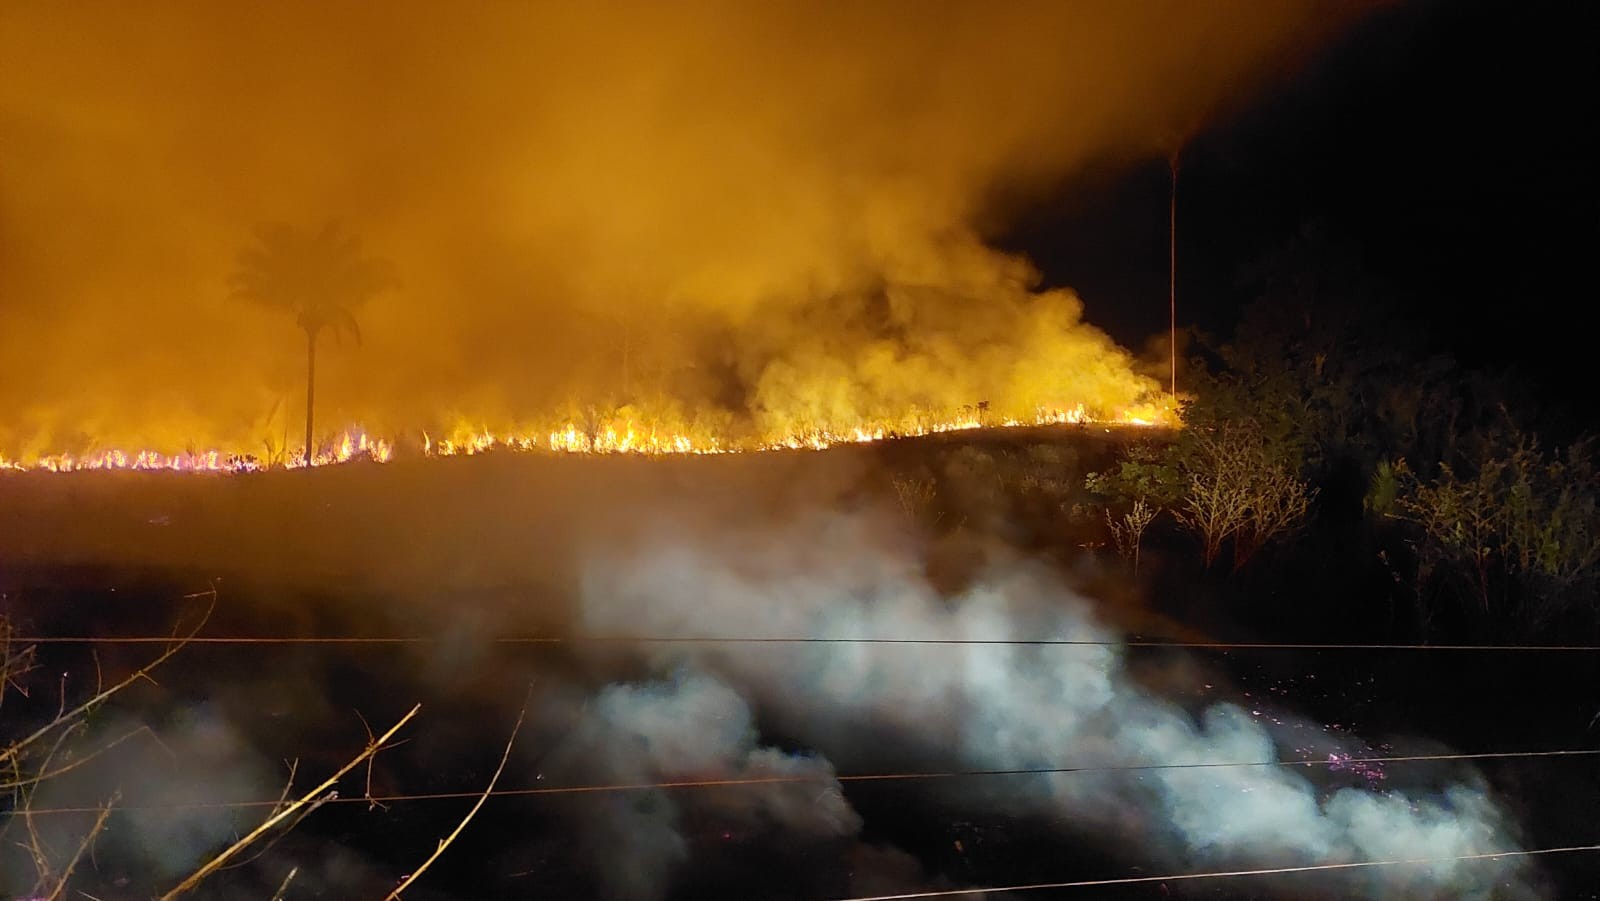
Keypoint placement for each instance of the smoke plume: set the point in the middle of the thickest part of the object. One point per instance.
(1020, 706)
(712, 215)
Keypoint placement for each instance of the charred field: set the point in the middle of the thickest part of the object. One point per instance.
(577, 590)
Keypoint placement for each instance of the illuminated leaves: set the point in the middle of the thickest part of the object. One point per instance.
(1524, 524)
(1239, 491)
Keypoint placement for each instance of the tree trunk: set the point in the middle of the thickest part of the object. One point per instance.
(311, 391)
(627, 341)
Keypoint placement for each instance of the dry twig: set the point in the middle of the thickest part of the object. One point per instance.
(284, 885)
(83, 846)
(314, 796)
(14, 750)
(445, 842)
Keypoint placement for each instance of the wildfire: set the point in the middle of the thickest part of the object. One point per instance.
(351, 445)
(625, 437)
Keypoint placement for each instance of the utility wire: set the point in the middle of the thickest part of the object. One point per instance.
(1220, 874)
(756, 639)
(867, 777)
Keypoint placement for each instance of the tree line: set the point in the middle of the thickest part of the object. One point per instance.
(1327, 426)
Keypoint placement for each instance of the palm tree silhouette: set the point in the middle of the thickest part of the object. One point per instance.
(321, 277)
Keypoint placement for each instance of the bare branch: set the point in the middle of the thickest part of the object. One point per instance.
(1239, 491)
(15, 750)
(445, 842)
(67, 768)
(284, 886)
(310, 797)
(83, 846)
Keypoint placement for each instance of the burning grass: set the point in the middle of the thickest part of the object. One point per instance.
(612, 435)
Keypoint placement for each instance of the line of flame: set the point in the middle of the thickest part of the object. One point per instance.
(355, 444)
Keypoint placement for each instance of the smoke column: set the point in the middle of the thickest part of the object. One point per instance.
(1016, 706)
(718, 215)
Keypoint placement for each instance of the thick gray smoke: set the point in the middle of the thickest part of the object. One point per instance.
(1001, 706)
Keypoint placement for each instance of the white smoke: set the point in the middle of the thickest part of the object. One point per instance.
(688, 727)
(1011, 706)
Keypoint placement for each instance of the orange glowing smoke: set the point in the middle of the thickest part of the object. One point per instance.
(727, 225)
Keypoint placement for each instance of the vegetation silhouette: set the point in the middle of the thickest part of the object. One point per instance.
(1335, 428)
(322, 277)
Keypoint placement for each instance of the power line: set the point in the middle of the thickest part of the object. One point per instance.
(775, 640)
(1220, 874)
(605, 788)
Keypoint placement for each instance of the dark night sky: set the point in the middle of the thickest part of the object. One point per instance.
(1453, 143)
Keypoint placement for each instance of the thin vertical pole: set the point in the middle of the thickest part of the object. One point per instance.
(311, 391)
(1172, 266)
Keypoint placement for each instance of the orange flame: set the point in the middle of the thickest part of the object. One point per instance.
(622, 437)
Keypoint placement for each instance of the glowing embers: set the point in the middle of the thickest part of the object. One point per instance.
(617, 437)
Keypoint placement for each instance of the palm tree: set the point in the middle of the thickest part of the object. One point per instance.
(321, 277)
